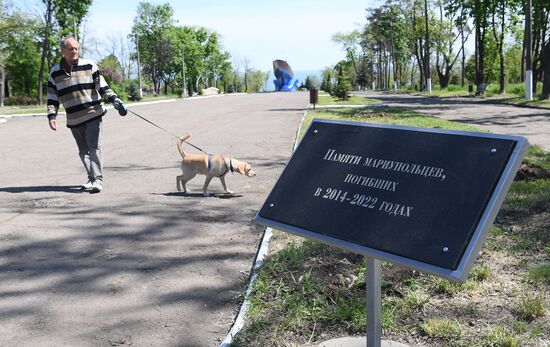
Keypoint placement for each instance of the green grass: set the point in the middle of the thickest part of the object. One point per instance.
(443, 329)
(499, 336)
(538, 156)
(529, 196)
(383, 115)
(530, 307)
(325, 99)
(15, 110)
(480, 273)
(540, 273)
(515, 94)
(288, 294)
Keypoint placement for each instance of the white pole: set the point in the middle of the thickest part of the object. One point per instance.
(529, 84)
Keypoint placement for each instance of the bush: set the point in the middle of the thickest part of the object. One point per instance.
(454, 88)
(19, 101)
(517, 89)
(133, 92)
(343, 86)
(123, 95)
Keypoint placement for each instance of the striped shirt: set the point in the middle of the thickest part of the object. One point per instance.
(79, 91)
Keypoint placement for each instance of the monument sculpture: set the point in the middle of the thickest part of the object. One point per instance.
(285, 81)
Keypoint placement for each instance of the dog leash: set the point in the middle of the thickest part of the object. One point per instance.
(166, 131)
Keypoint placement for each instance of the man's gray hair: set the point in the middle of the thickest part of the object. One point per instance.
(63, 41)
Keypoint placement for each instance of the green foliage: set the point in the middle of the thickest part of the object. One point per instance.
(70, 14)
(168, 51)
(311, 82)
(326, 85)
(19, 101)
(256, 80)
(111, 70)
(343, 86)
(23, 61)
(133, 92)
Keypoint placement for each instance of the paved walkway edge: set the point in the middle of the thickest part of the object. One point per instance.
(239, 321)
(260, 256)
(4, 117)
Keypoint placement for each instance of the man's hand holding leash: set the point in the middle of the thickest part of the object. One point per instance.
(120, 107)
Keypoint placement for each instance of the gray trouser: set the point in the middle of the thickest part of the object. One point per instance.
(88, 139)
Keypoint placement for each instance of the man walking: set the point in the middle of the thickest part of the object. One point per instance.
(78, 85)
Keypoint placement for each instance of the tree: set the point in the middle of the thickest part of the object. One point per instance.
(120, 47)
(545, 59)
(351, 44)
(70, 14)
(22, 63)
(540, 24)
(111, 69)
(479, 10)
(10, 23)
(326, 85)
(343, 86)
(311, 82)
(256, 80)
(152, 24)
(387, 37)
(363, 75)
(47, 29)
(445, 38)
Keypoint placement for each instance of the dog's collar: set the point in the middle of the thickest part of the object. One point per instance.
(228, 165)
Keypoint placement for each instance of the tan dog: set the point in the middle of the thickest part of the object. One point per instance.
(209, 165)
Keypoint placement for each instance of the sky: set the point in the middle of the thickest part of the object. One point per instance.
(298, 31)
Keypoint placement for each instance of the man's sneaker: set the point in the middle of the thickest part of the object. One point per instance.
(87, 186)
(97, 186)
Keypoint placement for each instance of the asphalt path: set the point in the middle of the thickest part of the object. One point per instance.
(138, 264)
(482, 113)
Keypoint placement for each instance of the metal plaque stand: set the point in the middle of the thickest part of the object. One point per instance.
(374, 302)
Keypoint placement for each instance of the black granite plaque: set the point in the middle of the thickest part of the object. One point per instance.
(417, 194)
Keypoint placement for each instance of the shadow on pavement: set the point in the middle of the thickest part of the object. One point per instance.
(34, 189)
(199, 195)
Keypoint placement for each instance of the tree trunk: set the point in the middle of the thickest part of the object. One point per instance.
(2, 81)
(523, 49)
(545, 59)
(499, 39)
(45, 49)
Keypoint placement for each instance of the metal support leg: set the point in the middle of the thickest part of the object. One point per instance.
(374, 303)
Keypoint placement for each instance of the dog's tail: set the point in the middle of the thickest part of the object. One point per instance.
(180, 144)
